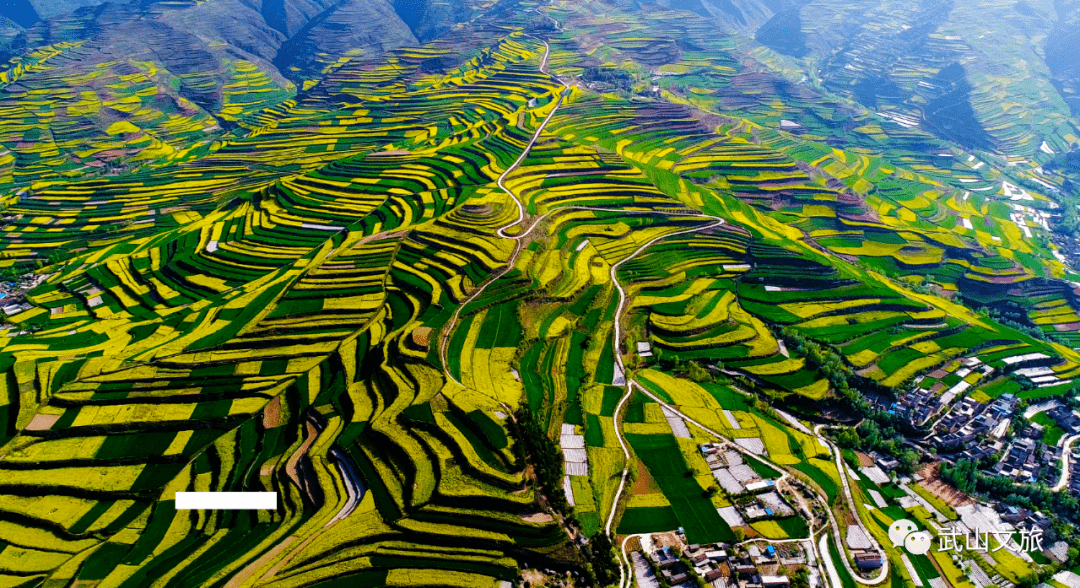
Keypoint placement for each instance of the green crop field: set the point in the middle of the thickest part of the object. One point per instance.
(427, 269)
(649, 519)
(694, 512)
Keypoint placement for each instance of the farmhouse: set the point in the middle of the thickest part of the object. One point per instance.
(768, 581)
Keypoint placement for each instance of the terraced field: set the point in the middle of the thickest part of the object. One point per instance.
(355, 287)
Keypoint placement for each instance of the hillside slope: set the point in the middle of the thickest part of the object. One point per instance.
(383, 257)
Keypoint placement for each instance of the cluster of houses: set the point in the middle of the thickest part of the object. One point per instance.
(1022, 518)
(1027, 460)
(920, 405)
(755, 498)
(1074, 471)
(1067, 420)
(977, 430)
(971, 421)
(724, 566)
(980, 430)
(12, 294)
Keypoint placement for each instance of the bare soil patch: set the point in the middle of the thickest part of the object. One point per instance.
(421, 336)
(272, 413)
(942, 490)
(865, 461)
(42, 422)
(538, 517)
(534, 577)
(645, 484)
(668, 540)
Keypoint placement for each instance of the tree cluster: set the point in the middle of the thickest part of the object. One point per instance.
(692, 369)
(535, 447)
(1014, 316)
(609, 75)
(830, 363)
(660, 579)
(601, 553)
(801, 579)
(874, 435)
(966, 477)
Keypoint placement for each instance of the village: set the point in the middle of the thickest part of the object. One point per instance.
(664, 560)
(1005, 436)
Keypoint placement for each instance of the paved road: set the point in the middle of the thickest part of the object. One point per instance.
(624, 561)
(1063, 483)
(830, 565)
(883, 573)
(631, 384)
(823, 555)
(624, 565)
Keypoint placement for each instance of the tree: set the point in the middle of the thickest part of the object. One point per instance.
(801, 579)
(848, 439)
(961, 476)
(908, 460)
(545, 456)
(604, 564)
(698, 373)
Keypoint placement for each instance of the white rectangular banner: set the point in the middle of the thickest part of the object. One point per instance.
(226, 501)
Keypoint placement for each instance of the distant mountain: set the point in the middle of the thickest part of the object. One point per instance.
(9, 28)
(348, 26)
(296, 35)
(975, 73)
(45, 9)
(429, 19)
(1063, 51)
(426, 19)
(752, 14)
(178, 75)
(11, 39)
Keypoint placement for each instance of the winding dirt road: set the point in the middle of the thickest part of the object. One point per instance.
(518, 247)
(631, 385)
(621, 368)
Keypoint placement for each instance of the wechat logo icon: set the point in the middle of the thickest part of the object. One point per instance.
(907, 534)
